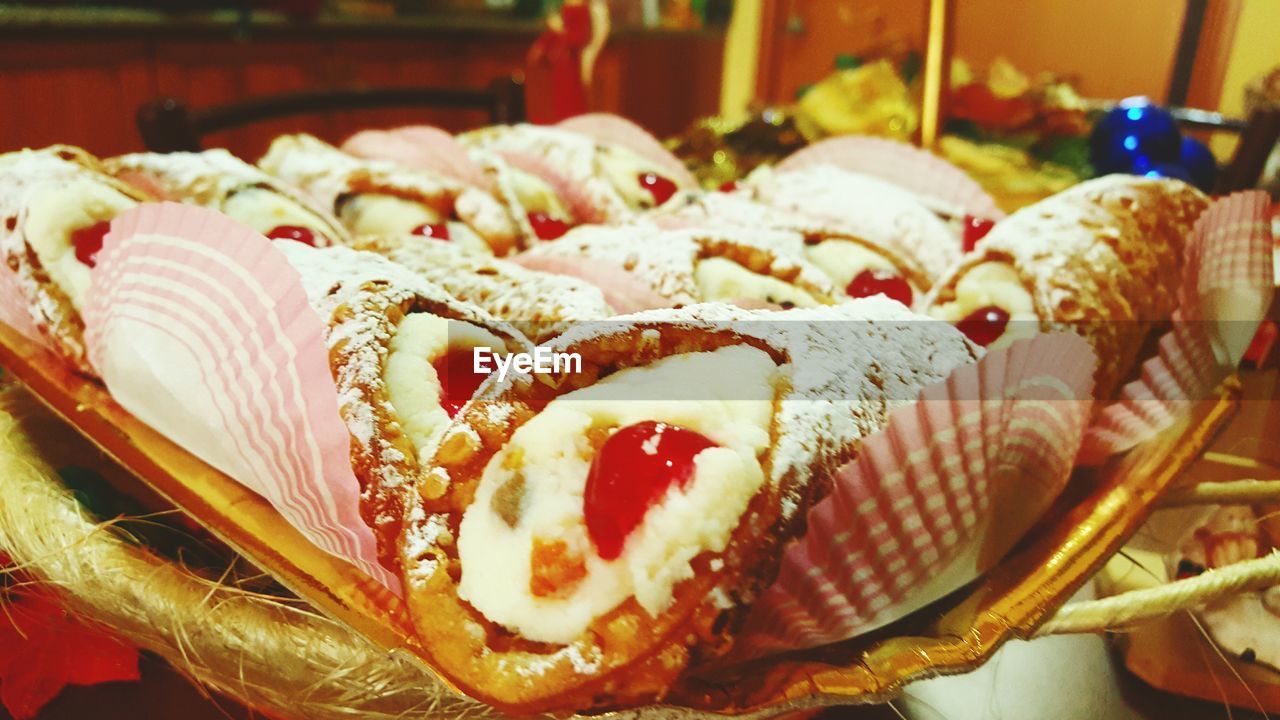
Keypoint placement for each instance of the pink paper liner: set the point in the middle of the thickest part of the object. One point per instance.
(422, 147)
(907, 520)
(571, 193)
(623, 291)
(906, 166)
(201, 329)
(1229, 252)
(144, 182)
(14, 310)
(616, 130)
(1275, 236)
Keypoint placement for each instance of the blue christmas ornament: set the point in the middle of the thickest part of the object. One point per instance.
(1133, 129)
(1200, 162)
(1168, 170)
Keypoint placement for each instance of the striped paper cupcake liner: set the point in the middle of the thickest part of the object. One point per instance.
(1227, 287)
(934, 499)
(944, 186)
(617, 130)
(421, 147)
(575, 197)
(201, 329)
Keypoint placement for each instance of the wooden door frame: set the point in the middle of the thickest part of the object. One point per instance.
(1213, 51)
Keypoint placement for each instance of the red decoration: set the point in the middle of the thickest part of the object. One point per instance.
(984, 325)
(630, 473)
(88, 241)
(567, 52)
(976, 102)
(659, 187)
(43, 649)
(881, 282)
(458, 379)
(1264, 341)
(437, 231)
(296, 233)
(547, 227)
(975, 228)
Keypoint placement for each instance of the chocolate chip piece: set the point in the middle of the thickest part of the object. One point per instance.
(1248, 655)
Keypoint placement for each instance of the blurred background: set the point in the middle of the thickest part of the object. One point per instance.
(1031, 108)
(76, 72)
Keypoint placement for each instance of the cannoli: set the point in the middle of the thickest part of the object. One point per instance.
(610, 129)
(376, 197)
(540, 200)
(686, 266)
(868, 235)
(1103, 258)
(541, 304)
(616, 180)
(56, 206)
(602, 531)
(422, 147)
(401, 351)
(218, 180)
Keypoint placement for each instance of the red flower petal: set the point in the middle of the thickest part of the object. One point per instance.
(43, 649)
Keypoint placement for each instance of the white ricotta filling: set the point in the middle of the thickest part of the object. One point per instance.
(54, 212)
(413, 387)
(993, 284)
(380, 214)
(623, 168)
(535, 195)
(843, 260)
(265, 210)
(726, 395)
(723, 280)
(463, 236)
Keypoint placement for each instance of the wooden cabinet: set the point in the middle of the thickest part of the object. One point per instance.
(83, 85)
(79, 92)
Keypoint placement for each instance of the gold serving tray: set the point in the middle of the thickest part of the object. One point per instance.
(1102, 509)
(242, 519)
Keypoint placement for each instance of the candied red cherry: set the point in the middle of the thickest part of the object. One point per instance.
(975, 228)
(728, 186)
(458, 379)
(631, 472)
(547, 227)
(984, 325)
(301, 234)
(659, 187)
(438, 231)
(881, 282)
(88, 241)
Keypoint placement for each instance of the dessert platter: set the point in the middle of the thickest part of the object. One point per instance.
(838, 426)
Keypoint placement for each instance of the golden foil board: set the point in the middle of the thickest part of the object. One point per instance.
(241, 518)
(1103, 508)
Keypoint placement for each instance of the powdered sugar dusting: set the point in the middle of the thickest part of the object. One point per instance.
(22, 174)
(209, 178)
(882, 215)
(569, 153)
(362, 296)
(545, 304)
(667, 258)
